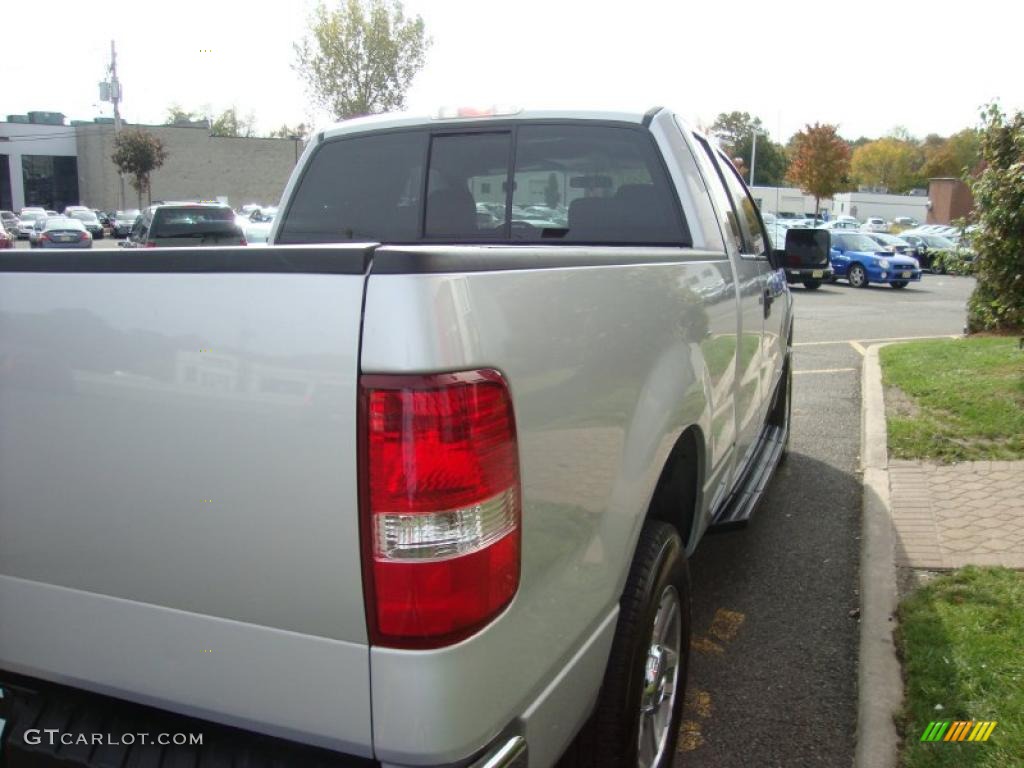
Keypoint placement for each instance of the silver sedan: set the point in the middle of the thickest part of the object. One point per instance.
(64, 233)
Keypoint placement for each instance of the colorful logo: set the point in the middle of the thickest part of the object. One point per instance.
(958, 730)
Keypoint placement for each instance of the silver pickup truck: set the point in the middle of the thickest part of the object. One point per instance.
(413, 485)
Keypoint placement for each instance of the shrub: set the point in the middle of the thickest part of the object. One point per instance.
(997, 303)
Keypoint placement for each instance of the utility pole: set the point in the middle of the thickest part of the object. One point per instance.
(753, 155)
(112, 90)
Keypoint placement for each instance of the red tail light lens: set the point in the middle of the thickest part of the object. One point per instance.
(441, 509)
(149, 244)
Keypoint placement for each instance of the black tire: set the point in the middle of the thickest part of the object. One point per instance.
(812, 285)
(857, 276)
(659, 572)
(899, 283)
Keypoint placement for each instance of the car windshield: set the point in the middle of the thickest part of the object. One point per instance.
(859, 243)
(126, 214)
(64, 223)
(83, 216)
(32, 215)
(937, 241)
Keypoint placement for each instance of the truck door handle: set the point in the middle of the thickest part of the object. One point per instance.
(768, 299)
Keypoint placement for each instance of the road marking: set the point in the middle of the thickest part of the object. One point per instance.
(859, 348)
(876, 341)
(825, 370)
(705, 646)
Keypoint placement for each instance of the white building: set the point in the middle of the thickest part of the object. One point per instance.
(38, 165)
(860, 205)
(863, 205)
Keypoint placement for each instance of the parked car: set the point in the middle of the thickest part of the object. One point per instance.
(27, 220)
(260, 222)
(185, 224)
(928, 246)
(9, 222)
(860, 260)
(842, 224)
(6, 239)
(806, 254)
(89, 220)
(875, 224)
(38, 225)
(124, 221)
(51, 213)
(64, 232)
(905, 222)
(892, 243)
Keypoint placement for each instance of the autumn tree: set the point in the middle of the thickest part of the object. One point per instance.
(890, 163)
(953, 157)
(820, 162)
(735, 132)
(138, 153)
(361, 57)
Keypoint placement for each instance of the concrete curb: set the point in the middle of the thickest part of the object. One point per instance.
(879, 680)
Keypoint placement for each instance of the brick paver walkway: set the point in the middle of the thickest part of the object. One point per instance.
(951, 515)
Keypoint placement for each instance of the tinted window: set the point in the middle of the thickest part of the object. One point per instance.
(465, 170)
(592, 184)
(179, 221)
(364, 188)
(572, 184)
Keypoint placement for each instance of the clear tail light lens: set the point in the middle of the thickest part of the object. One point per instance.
(440, 505)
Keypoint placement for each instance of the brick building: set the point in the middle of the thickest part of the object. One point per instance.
(951, 199)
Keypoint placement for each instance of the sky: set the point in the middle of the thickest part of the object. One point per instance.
(867, 66)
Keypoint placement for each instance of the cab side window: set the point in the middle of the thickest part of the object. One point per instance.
(715, 183)
(748, 218)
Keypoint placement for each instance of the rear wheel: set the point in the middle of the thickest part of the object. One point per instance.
(899, 283)
(858, 277)
(812, 285)
(641, 701)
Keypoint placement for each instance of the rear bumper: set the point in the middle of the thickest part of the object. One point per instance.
(799, 275)
(43, 724)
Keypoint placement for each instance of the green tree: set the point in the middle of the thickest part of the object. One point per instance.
(735, 132)
(229, 123)
(997, 302)
(285, 132)
(176, 115)
(138, 153)
(956, 156)
(890, 162)
(820, 162)
(361, 58)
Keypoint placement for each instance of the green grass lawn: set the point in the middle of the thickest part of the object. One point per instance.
(962, 642)
(955, 399)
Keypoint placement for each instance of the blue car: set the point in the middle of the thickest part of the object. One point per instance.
(859, 259)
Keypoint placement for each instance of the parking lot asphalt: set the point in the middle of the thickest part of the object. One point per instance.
(773, 676)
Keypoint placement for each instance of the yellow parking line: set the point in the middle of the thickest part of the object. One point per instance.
(859, 348)
(825, 370)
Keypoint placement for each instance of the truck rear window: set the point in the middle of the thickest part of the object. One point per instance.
(569, 183)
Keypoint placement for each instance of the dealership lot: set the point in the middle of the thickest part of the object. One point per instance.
(773, 677)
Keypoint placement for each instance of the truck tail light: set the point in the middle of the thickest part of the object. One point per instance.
(149, 244)
(440, 505)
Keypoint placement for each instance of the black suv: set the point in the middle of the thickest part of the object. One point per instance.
(185, 224)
